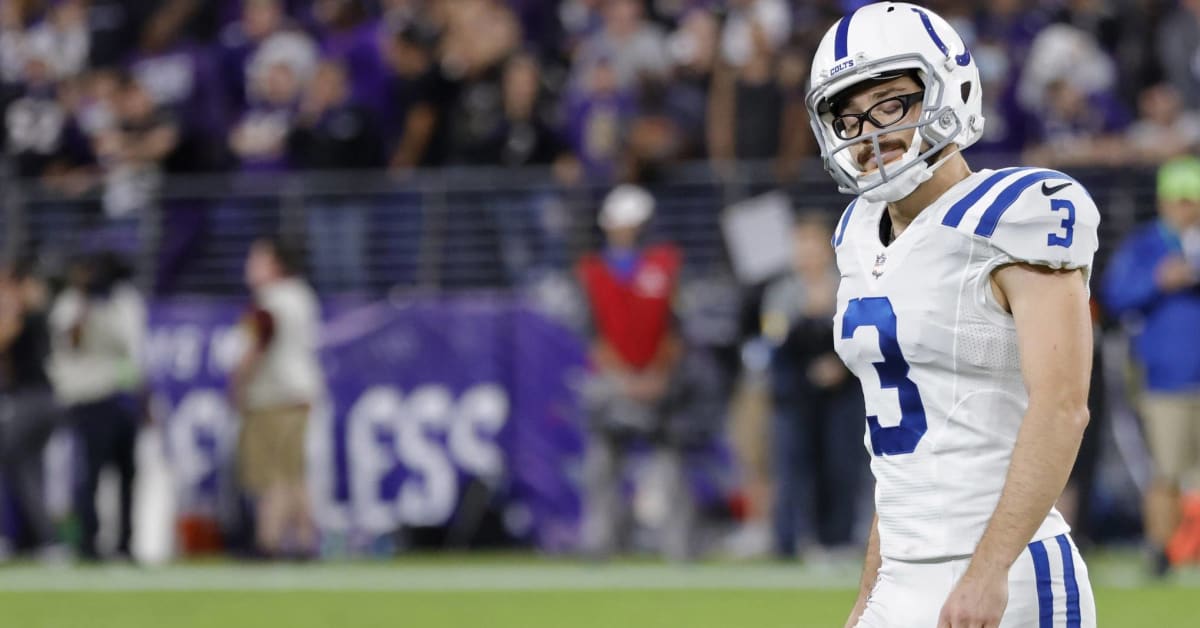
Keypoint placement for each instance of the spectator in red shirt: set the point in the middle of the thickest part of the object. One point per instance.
(634, 354)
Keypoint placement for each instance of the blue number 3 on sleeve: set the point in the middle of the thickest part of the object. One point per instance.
(1068, 223)
(877, 312)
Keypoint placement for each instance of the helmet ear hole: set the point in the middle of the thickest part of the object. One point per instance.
(965, 89)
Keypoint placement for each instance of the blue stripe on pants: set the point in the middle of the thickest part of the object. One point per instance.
(1068, 559)
(1041, 569)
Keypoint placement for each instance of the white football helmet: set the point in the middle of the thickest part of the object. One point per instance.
(882, 40)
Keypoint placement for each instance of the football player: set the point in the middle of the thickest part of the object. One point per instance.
(963, 309)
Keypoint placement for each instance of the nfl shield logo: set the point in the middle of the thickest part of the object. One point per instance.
(880, 260)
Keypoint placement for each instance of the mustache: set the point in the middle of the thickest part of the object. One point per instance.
(866, 156)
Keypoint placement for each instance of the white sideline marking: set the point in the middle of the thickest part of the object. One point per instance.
(550, 576)
(422, 578)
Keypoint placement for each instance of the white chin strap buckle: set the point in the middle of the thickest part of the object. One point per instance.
(900, 185)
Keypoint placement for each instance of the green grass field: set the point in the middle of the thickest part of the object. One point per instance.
(500, 592)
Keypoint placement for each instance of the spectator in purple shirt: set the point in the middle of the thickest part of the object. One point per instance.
(1005, 132)
(277, 74)
(598, 119)
(1067, 91)
(1012, 25)
(1077, 128)
(332, 130)
(540, 25)
(345, 32)
(239, 40)
(182, 77)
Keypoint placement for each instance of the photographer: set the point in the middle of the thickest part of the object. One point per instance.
(635, 355)
(97, 327)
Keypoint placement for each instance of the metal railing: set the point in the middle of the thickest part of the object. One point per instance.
(491, 229)
(447, 229)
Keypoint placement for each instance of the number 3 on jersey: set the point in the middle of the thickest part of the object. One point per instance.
(877, 312)
(1068, 224)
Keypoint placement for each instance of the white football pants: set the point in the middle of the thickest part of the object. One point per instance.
(1048, 587)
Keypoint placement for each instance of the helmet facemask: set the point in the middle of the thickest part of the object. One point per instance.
(936, 127)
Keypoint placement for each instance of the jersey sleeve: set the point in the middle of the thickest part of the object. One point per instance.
(1058, 230)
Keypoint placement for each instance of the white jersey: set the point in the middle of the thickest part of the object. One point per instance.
(290, 372)
(937, 356)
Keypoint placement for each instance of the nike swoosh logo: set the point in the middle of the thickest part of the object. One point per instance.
(1051, 190)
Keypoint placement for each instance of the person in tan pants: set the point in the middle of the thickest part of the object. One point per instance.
(275, 386)
(1153, 281)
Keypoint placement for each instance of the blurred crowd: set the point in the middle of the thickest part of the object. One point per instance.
(605, 89)
(103, 100)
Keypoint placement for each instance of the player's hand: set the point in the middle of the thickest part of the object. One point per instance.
(1174, 273)
(978, 601)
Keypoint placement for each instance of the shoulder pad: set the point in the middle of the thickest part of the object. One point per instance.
(1033, 215)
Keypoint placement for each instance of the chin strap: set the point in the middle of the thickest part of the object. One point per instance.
(906, 182)
(902, 184)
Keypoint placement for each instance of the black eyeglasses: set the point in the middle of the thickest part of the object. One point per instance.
(882, 114)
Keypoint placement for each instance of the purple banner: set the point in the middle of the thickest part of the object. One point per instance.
(436, 409)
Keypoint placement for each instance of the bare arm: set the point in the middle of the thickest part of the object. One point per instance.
(870, 573)
(797, 142)
(11, 318)
(418, 129)
(156, 144)
(721, 112)
(1054, 335)
(1055, 341)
